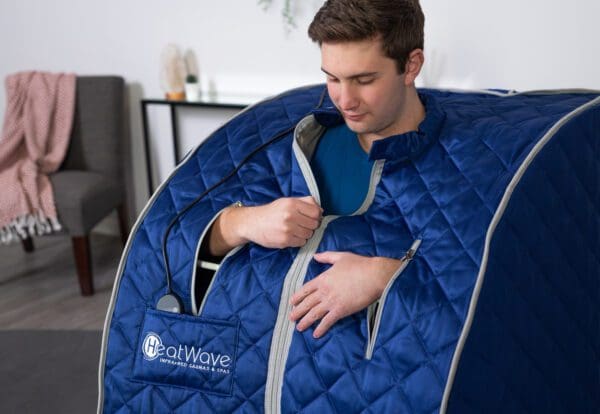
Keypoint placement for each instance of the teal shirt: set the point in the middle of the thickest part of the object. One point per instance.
(342, 170)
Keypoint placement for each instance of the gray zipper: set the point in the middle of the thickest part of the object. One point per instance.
(284, 328)
(283, 331)
(381, 302)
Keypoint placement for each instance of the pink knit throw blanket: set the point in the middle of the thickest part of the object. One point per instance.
(35, 136)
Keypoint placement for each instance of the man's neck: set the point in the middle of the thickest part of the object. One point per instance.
(409, 120)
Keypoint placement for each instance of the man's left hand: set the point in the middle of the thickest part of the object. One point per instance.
(351, 284)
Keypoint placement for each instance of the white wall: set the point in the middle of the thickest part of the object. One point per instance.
(509, 44)
(512, 44)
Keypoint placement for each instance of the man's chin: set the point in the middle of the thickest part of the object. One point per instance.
(357, 127)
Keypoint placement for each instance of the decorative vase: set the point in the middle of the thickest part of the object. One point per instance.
(192, 91)
(172, 73)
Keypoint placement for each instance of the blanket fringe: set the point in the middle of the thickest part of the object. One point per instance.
(28, 225)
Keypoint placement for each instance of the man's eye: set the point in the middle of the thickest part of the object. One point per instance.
(334, 80)
(365, 81)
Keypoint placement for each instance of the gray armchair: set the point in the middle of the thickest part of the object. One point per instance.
(89, 185)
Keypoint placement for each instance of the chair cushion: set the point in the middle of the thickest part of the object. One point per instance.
(83, 198)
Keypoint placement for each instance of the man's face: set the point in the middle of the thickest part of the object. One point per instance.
(365, 86)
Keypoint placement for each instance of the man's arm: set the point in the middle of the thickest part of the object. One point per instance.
(285, 222)
(351, 284)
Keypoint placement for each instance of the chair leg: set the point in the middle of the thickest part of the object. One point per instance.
(123, 223)
(28, 244)
(81, 249)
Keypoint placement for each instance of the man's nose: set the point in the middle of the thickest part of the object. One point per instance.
(348, 97)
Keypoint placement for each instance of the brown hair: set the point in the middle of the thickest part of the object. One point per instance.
(399, 23)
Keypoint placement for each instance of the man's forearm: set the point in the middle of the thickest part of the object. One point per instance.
(284, 222)
(225, 233)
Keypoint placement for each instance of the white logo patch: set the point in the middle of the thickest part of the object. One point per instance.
(184, 356)
(151, 345)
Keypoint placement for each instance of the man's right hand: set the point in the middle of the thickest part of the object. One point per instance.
(285, 222)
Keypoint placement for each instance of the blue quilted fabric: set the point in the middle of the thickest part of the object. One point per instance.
(535, 341)
(441, 185)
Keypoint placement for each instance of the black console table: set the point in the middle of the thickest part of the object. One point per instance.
(173, 105)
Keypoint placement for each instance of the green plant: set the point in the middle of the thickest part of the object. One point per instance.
(191, 78)
(287, 12)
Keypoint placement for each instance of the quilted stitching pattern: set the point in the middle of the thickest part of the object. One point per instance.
(547, 281)
(428, 309)
(446, 197)
(142, 282)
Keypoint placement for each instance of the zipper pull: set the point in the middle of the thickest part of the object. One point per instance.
(413, 249)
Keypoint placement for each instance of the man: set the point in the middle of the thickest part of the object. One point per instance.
(371, 53)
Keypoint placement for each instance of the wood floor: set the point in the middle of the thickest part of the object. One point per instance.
(39, 290)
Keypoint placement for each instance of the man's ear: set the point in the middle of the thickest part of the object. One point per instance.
(413, 66)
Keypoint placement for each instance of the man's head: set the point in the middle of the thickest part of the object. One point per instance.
(398, 23)
(371, 52)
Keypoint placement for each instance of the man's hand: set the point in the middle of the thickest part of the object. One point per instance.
(351, 284)
(285, 222)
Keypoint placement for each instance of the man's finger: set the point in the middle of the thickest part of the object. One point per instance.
(311, 317)
(309, 207)
(302, 232)
(296, 241)
(327, 257)
(304, 307)
(308, 199)
(307, 289)
(306, 222)
(326, 322)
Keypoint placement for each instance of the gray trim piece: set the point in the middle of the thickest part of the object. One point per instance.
(405, 261)
(515, 93)
(142, 215)
(481, 91)
(309, 134)
(376, 172)
(488, 238)
(555, 92)
(196, 254)
(121, 268)
(306, 122)
(284, 328)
